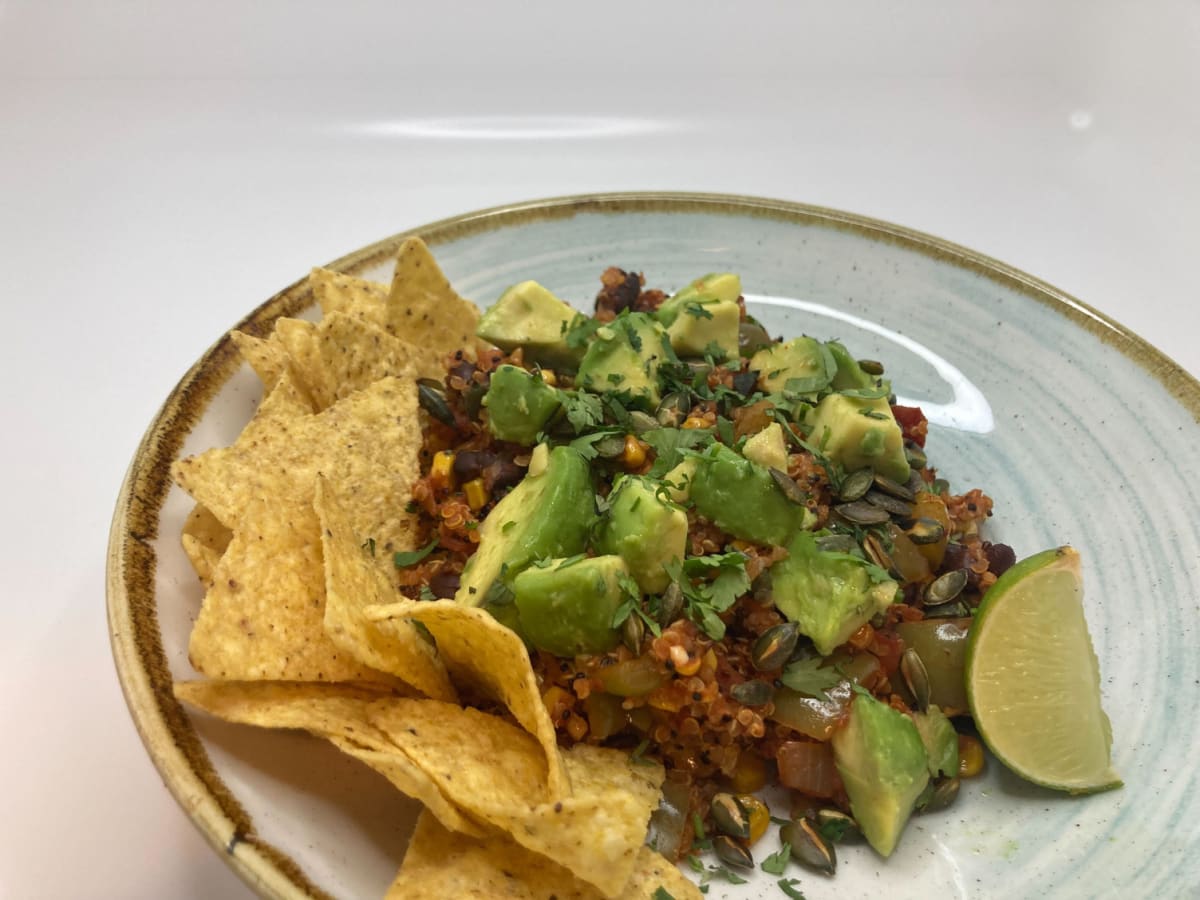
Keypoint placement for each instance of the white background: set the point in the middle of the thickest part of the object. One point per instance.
(164, 167)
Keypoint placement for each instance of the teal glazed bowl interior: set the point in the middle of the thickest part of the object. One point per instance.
(1080, 432)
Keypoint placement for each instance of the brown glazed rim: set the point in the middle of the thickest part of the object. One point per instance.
(132, 615)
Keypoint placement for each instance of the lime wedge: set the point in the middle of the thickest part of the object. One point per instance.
(1033, 680)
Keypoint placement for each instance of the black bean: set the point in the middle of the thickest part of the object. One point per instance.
(1000, 557)
(444, 584)
(469, 464)
(503, 473)
(955, 558)
(745, 382)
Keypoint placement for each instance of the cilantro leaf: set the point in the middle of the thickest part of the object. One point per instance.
(787, 886)
(670, 445)
(776, 863)
(584, 410)
(581, 331)
(404, 559)
(697, 310)
(661, 893)
(806, 676)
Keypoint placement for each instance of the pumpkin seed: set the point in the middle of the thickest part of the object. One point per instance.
(916, 676)
(856, 484)
(875, 551)
(642, 422)
(837, 826)
(893, 488)
(924, 797)
(788, 485)
(944, 793)
(916, 456)
(939, 486)
(915, 483)
(752, 693)
(837, 543)
(730, 816)
(871, 366)
(926, 531)
(432, 398)
(956, 610)
(670, 607)
(774, 646)
(894, 505)
(610, 447)
(673, 410)
(761, 588)
(732, 853)
(862, 513)
(945, 588)
(809, 848)
(632, 632)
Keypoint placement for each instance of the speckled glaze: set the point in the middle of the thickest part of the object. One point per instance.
(1081, 432)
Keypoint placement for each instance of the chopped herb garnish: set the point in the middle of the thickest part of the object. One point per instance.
(661, 893)
(404, 559)
(507, 526)
(584, 410)
(671, 444)
(776, 863)
(834, 829)
(787, 885)
(581, 331)
(426, 594)
(808, 677)
(369, 545)
(697, 310)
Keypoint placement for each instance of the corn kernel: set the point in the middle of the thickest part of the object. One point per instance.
(549, 377)
(634, 454)
(861, 639)
(695, 422)
(970, 756)
(760, 816)
(749, 774)
(442, 470)
(476, 493)
(577, 727)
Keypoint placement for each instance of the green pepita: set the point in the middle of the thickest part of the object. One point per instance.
(774, 646)
(862, 513)
(837, 543)
(432, 398)
(632, 632)
(871, 366)
(837, 826)
(788, 485)
(670, 606)
(809, 848)
(732, 853)
(893, 488)
(730, 816)
(673, 410)
(916, 677)
(856, 484)
(642, 422)
(926, 531)
(916, 456)
(955, 610)
(943, 795)
(894, 505)
(945, 588)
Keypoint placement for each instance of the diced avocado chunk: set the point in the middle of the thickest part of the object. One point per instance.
(940, 740)
(802, 365)
(624, 356)
(850, 374)
(529, 316)
(724, 286)
(704, 315)
(549, 514)
(519, 404)
(645, 529)
(678, 481)
(828, 595)
(741, 497)
(767, 448)
(567, 606)
(881, 759)
(858, 432)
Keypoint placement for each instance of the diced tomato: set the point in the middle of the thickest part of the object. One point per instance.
(913, 424)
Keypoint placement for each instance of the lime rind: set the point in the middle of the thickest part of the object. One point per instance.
(1033, 678)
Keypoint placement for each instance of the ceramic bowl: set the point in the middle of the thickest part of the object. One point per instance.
(1080, 431)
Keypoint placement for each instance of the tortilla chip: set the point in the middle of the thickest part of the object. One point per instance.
(354, 578)
(267, 357)
(423, 308)
(337, 712)
(480, 651)
(440, 864)
(369, 441)
(204, 540)
(341, 293)
(263, 617)
(496, 772)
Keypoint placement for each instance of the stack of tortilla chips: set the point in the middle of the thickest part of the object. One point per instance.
(302, 626)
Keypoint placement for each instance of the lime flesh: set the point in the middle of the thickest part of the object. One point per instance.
(1033, 680)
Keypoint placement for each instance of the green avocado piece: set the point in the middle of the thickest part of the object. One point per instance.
(768, 448)
(624, 356)
(703, 315)
(940, 740)
(858, 432)
(802, 365)
(548, 514)
(645, 529)
(741, 497)
(567, 607)
(829, 595)
(529, 316)
(882, 762)
(519, 404)
(850, 375)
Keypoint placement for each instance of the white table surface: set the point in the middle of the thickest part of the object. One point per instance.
(165, 167)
